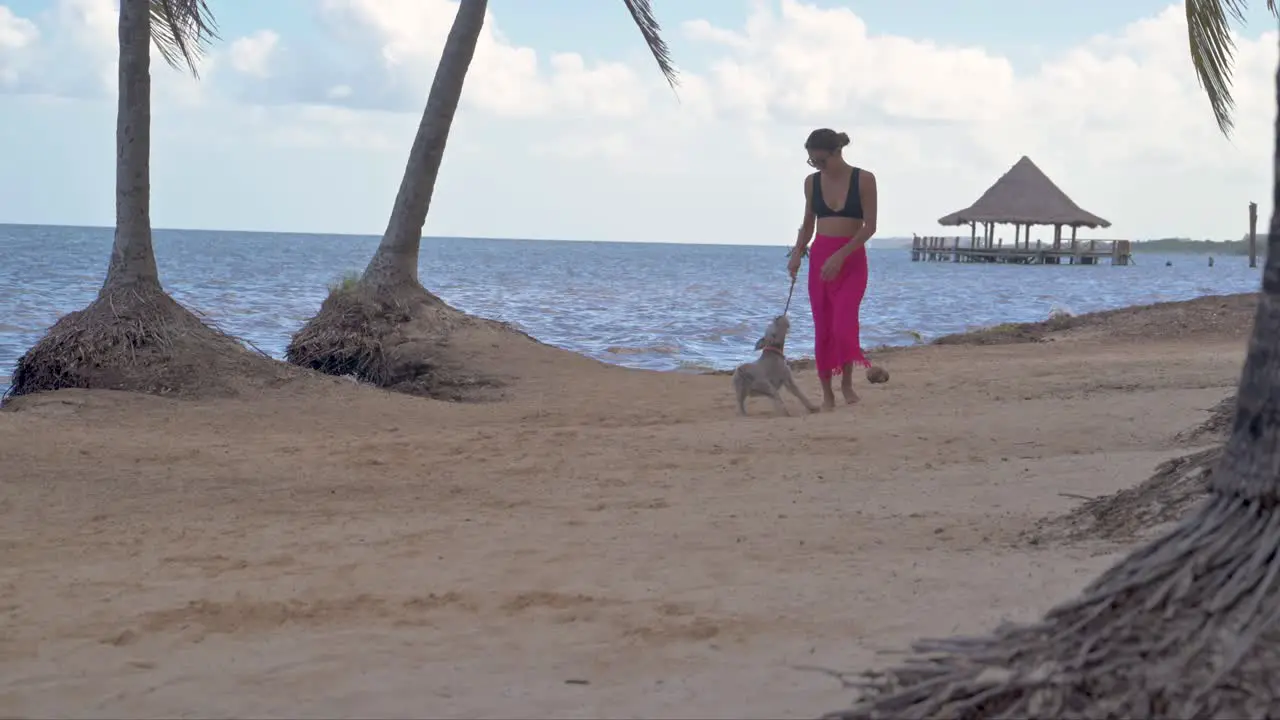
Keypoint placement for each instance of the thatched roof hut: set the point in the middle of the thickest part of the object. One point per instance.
(1025, 196)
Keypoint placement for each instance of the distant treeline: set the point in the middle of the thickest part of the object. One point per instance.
(1187, 245)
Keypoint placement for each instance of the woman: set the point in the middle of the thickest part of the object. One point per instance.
(840, 203)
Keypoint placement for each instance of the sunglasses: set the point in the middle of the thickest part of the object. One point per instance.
(818, 162)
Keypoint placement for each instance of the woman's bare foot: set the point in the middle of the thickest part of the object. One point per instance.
(828, 402)
(850, 397)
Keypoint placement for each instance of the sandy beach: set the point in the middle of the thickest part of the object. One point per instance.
(600, 542)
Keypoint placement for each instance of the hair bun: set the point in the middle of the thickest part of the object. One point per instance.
(842, 138)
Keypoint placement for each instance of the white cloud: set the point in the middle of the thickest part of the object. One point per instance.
(1118, 121)
(71, 52)
(16, 35)
(705, 31)
(810, 63)
(400, 42)
(252, 55)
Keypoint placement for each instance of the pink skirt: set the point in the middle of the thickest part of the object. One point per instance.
(836, 305)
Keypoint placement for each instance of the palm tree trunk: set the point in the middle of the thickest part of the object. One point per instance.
(1180, 624)
(1251, 460)
(133, 260)
(396, 261)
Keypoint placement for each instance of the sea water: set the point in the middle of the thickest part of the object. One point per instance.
(656, 306)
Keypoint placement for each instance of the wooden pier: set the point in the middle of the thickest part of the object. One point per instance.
(977, 250)
(1023, 197)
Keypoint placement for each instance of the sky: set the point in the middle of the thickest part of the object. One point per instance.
(304, 112)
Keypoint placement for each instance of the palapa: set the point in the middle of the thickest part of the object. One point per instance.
(1025, 195)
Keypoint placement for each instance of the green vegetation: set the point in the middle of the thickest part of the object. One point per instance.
(346, 283)
(1187, 245)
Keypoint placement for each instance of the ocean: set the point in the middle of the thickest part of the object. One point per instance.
(655, 306)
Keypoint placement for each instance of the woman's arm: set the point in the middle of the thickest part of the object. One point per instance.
(805, 233)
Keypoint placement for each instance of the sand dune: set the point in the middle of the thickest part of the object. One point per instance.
(601, 543)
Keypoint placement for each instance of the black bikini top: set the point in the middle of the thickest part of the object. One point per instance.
(852, 200)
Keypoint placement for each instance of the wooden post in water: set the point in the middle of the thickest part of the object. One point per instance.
(1253, 234)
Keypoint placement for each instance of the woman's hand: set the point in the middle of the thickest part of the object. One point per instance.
(831, 268)
(793, 264)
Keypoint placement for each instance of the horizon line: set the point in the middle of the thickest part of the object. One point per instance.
(519, 239)
(424, 237)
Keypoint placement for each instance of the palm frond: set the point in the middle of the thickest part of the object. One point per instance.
(182, 31)
(642, 12)
(1213, 51)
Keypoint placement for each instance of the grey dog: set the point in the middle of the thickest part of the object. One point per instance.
(770, 372)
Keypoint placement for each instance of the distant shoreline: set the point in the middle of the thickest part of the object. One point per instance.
(783, 243)
(1199, 247)
(878, 243)
(883, 242)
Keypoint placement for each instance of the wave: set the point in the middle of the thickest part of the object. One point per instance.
(661, 349)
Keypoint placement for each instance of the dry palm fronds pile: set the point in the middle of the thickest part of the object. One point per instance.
(1172, 490)
(1215, 428)
(1217, 316)
(1183, 628)
(140, 339)
(398, 340)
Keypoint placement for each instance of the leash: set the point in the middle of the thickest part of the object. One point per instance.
(790, 292)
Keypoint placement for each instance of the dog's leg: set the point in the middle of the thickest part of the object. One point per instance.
(777, 401)
(740, 388)
(790, 382)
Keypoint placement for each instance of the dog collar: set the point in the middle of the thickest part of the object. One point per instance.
(778, 350)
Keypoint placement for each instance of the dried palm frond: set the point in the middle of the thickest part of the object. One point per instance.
(1213, 51)
(642, 12)
(182, 31)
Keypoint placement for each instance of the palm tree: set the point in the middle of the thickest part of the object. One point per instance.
(361, 325)
(181, 31)
(1212, 50)
(1185, 626)
(133, 336)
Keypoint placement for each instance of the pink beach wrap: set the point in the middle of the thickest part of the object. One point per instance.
(835, 306)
